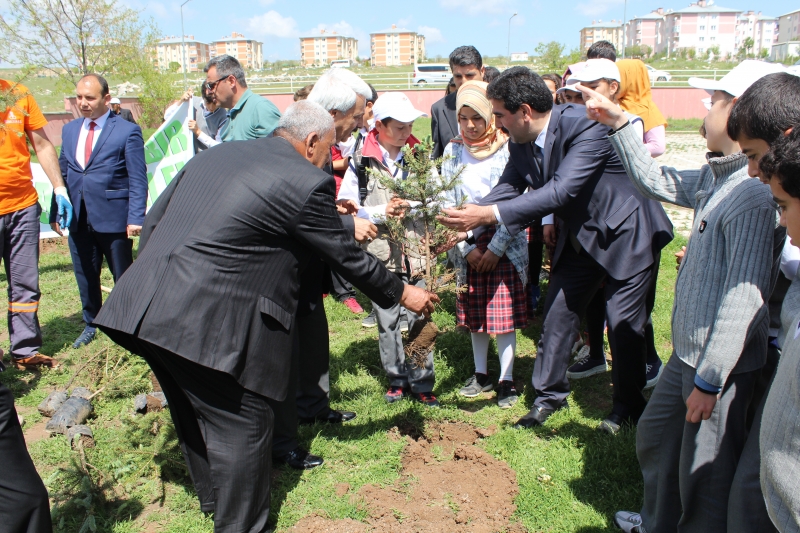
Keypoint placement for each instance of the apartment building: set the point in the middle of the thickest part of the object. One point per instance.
(701, 26)
(169, 50)
(646, 30)
(396, 46)
(247, 51)
(602, 31)
(761, 29)
(788, 42)
(323, 47)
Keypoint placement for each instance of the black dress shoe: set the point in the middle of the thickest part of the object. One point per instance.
(537, 416)
(85, 338)
(300, 459)
(333, 417)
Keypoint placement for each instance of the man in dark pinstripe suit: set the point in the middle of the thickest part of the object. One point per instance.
(210, 302)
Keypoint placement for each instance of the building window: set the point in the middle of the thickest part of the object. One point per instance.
(702, 39)
(702, 28)
(713, 39)
(713, 28)
(700, 50)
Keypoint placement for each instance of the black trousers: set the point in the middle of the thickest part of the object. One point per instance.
(573, 282)
(596, 318)
(225, 433)
(24, 507)
(87, 248)
(341, 288)
(308, 394)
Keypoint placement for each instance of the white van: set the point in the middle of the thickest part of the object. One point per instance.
(432, 73)
(341, 63)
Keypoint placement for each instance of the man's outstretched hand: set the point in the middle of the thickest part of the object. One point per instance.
(468, 217)
(601, 109)
(418, 300)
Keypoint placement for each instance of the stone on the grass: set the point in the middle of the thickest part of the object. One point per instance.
(140, 403)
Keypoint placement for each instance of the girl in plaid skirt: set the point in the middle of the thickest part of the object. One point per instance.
(494, 268)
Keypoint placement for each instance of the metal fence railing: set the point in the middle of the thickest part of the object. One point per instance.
(288, 83)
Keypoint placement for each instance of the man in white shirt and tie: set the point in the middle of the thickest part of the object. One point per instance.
(102, 162)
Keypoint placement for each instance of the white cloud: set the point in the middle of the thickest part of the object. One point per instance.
(471, 7)
(404, 23)
(597, 7)
(272, 24)
(432, 35)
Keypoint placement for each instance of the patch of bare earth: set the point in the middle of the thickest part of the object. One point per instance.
(447, 485)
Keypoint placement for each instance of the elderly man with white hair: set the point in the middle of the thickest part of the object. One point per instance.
(343, 95)
(210, 302)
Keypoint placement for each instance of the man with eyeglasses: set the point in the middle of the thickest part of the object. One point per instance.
(251, 116)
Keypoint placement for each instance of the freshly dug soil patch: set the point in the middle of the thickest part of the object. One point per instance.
(447, 485)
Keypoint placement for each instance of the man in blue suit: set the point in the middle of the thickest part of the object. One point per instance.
(102, 162)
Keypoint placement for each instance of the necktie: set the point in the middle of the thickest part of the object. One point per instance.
(87, 149)
(538, 155)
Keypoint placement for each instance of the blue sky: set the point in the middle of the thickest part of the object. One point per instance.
(446, 24)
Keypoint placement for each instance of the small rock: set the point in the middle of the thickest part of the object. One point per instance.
(81, 392)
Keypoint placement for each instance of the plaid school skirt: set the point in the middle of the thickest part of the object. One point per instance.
(493, 302)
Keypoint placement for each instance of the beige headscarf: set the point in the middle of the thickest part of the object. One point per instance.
(473, 95)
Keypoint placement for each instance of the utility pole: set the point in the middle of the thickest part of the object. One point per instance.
(183, 48)
(509, 38)
(624, 27)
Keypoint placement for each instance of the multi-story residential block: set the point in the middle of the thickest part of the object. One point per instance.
(396, 46)
(247, 51)
(705, 25)
(602, 31)
(788, 42)
(322, 47)
(761, 29)
(646, 30)
(171, 50)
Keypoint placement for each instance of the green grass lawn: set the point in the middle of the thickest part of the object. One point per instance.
(135, 480)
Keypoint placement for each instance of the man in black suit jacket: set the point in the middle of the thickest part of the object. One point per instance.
(467, 64)
(609, 233)
(210, 302)
(117, 109)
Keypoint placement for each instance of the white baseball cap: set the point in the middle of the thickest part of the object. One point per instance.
(738, 80)
(115, 101)
(596, 69)
(396, 106)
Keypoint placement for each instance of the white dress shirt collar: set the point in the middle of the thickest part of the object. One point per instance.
(99, 121)
(543, 134)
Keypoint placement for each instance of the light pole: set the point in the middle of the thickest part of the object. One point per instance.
(509, 38)
(183, 48)
(624, 29)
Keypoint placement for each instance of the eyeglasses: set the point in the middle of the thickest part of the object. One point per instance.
(210, 86)
(707, 103)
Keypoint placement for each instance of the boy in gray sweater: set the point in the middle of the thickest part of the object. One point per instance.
(693, 429)
(780, 422)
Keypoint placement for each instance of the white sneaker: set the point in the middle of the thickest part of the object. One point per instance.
(578, 344)
(629, 522)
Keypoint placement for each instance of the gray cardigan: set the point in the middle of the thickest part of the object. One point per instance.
(780, 425)
(720, 315)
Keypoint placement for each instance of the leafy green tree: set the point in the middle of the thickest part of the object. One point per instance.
(71, 38)
(551, 55)
(174, 66)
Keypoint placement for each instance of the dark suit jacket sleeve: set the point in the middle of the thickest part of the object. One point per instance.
(348, 223)
(137, 177)
(318, 226)
(586, 156)
(157, 210)
(438, 149)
